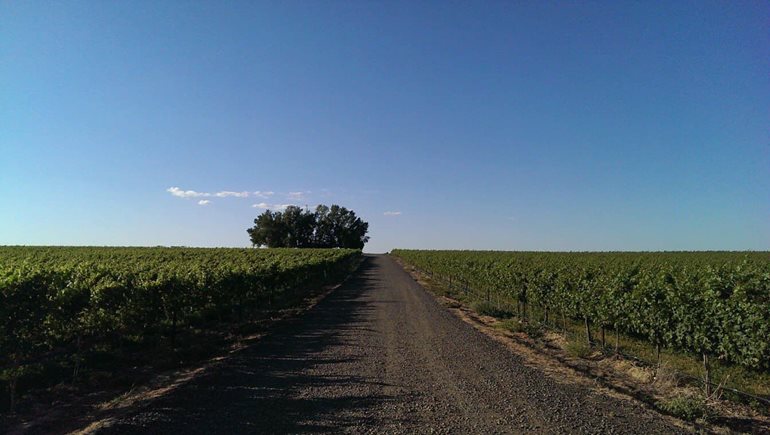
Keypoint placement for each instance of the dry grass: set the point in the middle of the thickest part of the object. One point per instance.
(666, 377)
(555, 339)
(640, 374)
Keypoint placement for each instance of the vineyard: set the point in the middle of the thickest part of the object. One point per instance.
(713, 305)
(62, 307)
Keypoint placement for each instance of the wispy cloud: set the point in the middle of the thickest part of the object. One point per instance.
(180, 193)
(185, 193)
(293, 197)
(226, 193)
(392, 213)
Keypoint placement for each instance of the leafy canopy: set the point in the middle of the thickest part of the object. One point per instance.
(326, 227)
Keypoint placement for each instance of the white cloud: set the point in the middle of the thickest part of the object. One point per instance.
(186, 193)
(392, 213)
(226, 193)
(176, 191)
(292, 196)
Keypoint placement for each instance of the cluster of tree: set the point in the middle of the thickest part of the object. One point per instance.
(326, 227)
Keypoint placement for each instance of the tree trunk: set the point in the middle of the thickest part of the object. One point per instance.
(239, 308)
(76, 369)
(657, 355)
(173, 329)
(12, 382)
(617, 341)
(12, 390)
(604, 343)
(564, 321)
(588, 330)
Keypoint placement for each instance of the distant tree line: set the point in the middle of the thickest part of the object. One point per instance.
(326, 227)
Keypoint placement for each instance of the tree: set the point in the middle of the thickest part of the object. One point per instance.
(327, 227)
(300, 227)
(268, 230)
(339, 227)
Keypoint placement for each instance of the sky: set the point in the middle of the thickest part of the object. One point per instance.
(516, 125)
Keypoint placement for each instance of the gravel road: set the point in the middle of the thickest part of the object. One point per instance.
(381, 355)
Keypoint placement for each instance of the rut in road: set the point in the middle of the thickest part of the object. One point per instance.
(379, 354)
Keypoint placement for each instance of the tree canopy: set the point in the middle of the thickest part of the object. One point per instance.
(326, 227)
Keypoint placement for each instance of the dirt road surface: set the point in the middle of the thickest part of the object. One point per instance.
(380, 355)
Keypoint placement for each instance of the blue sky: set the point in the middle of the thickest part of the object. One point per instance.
(473, 125)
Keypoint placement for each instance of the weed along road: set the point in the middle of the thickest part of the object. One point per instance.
(381, 355)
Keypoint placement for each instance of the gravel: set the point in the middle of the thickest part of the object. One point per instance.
(380, 355)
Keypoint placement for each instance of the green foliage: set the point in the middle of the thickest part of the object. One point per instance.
(578, 348)
(60, 300)
(686, 407)
(327, 227)
(533, 330)
(513, 325)
(707, 303)
(490, 309)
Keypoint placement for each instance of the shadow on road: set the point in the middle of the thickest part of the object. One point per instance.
(279, 384)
